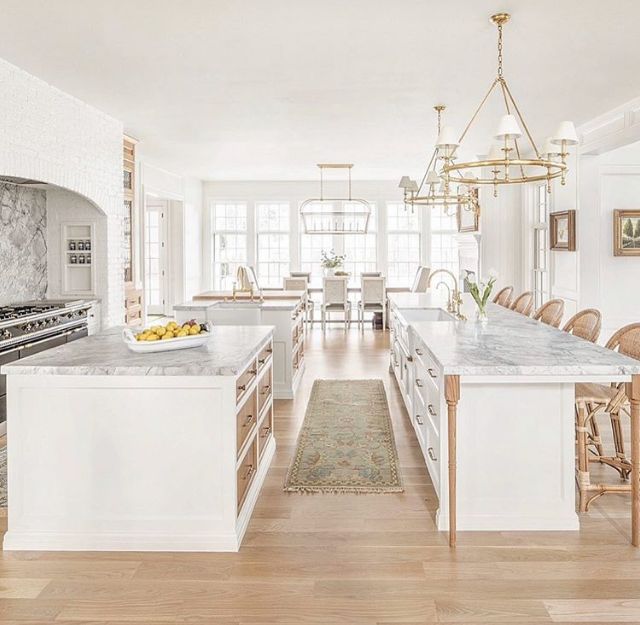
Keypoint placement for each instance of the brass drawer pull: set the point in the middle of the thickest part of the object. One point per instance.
(252, 371)
(249, 472)
(431, 454)
(261, 361)
(419, 352)
(268, 350)
(248, 420)
(432, 412)
(266, 431)
(432, 373)
(409, 358)
(265, 389)
(419, 420)
(419, 383)
(242, 387)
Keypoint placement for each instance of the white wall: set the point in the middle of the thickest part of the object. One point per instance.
(612, 284)
(48, 135)
(501, 242)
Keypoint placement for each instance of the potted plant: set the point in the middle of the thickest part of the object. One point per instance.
(331, 261)
(481, 292)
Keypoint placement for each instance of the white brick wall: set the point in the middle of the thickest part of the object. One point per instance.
(48, 135)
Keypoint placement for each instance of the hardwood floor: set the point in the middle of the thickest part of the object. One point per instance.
(352, 559)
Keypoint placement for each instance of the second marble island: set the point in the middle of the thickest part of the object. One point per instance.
(113, 450)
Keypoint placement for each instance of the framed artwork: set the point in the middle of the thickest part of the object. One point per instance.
(469, 221)
(562, 227)
(626, 232)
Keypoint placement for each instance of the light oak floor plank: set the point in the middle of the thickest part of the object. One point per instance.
(344, 559)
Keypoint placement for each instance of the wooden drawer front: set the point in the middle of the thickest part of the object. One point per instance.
(246, 420)
(431, 369)
(246, 472)
(265, 430)
(264, 388)
(245, 379)
(264, 355)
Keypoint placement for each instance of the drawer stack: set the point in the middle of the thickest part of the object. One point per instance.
(254, 419)
(297, 338)
(428, 409)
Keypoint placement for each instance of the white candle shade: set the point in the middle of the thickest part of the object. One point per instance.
(566, 132)
(447, 138)
(508, 128)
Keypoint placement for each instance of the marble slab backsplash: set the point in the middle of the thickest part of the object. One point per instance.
(23, 244)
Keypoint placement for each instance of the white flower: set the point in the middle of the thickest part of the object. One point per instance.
(493, 273)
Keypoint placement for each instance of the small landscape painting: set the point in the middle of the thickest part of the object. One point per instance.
(563, 231)
(626, 232)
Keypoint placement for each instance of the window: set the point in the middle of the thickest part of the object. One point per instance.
(444, 242)
(229, 242)
(540, 248)
(403, 243)
(272, 227)
(361, 250)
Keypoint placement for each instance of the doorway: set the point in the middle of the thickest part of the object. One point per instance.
(155, 255)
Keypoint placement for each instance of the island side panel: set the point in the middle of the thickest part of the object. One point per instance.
(121, 462)
(515, 456)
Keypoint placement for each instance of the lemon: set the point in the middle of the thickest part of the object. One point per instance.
(171, 325)
(186, 326)
(152, 337)
(160, 330)
(194, 329)
(181, 333)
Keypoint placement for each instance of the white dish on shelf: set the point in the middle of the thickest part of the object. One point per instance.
(148, 347)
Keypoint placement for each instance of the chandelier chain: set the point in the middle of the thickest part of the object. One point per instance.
(500, 50)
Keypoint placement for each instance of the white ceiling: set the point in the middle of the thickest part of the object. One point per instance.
(264, 89)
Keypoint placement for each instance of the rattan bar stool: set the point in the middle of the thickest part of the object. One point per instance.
(523, 303)
(593, 399)
(503, 296)
(550, 312)
(586, 324)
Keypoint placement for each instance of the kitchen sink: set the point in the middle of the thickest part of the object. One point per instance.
(413, 315)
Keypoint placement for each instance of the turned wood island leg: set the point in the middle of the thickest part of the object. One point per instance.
(633, 393)
(452, 395)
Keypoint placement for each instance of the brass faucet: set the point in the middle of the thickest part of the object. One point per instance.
(454, 299)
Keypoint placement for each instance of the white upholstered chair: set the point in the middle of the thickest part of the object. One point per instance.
(421, 281)
(335, 298)
(373, 298)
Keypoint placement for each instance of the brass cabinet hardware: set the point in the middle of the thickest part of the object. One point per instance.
(419, 420)
(431, 454)
(432, 412)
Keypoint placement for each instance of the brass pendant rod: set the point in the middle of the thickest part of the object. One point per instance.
(506, 104)
(495, 82)
(517, 110)
(426, 173)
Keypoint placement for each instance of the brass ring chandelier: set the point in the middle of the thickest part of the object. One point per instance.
(505, 163)
(433, 191)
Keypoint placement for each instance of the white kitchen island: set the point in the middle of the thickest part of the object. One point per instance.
(112, 450)
(492, 405)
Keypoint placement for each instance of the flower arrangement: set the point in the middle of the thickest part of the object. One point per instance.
(481, 292)
(331, 261)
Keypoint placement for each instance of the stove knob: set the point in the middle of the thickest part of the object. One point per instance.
(6, 334)
(27, 327)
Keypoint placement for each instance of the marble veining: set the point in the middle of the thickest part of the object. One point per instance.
(512, 344)
(23, 244)
(228, 351)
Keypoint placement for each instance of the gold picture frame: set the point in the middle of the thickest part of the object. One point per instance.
(562, 231)
(626, 232)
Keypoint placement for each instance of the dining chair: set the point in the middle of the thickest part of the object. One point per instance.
(586, 324)
(503, 297)
(335, 298)
(301, 284)
(593, 399)
(421, 280)
(550, 312)
(523, 303)
(373, 298)
(301, 274)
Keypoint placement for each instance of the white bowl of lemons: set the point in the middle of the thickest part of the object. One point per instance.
(167, 337)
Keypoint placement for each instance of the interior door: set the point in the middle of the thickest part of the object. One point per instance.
(155, 256)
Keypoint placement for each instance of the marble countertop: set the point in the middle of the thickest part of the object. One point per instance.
(267, 304)
(512, 344)
(228, 351)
